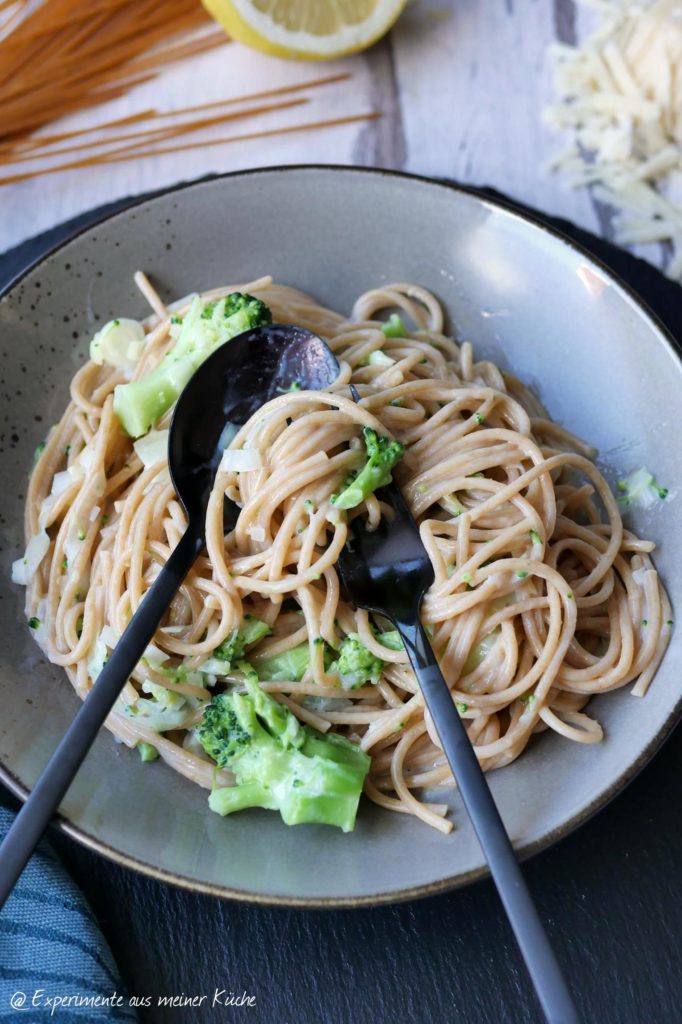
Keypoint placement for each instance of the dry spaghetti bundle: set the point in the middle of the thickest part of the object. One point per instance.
(64, 56)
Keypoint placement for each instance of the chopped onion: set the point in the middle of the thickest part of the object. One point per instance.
(214, 667)
(94, 512)
(379, 358)
(98, 657)
(241, 460)
(74, 543)
(40, 633)
(152, 448)
(155, 656)
(61, 482)
(46, 506)
(230, 431)
(109, 636)
(85, 459)
(24, 569)
(134, 350)
(256, 533)
(112, 343)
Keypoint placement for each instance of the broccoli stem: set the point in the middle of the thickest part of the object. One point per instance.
(141, 403)
(229, 799)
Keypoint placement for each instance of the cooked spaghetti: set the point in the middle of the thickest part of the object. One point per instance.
(541, 598)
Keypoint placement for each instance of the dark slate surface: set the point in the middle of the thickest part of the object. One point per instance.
(611, 895)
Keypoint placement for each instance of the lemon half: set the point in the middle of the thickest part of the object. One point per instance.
(311, 29)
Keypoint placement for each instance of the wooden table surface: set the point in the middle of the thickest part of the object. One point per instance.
(461, 86)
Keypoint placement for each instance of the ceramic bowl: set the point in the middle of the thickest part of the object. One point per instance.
(527, 299)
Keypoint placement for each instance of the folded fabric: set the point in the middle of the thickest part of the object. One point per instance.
(55, 964)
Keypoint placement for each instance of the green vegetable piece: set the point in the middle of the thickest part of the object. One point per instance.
(141, 403)
(379, 358)
(391, 639)
(452, 504)
(277, 718)
(279, 764)
(294, 386)
(34, 622)
(480, 651)
(382, 456)
(147, 752)
(394, 327)
(234, 647)
(290, 666)
(355, 664)
(166, 709)
(640, 488)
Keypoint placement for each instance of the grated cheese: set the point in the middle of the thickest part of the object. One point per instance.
(620, 97)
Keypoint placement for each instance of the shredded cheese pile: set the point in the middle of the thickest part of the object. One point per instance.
(620, 96)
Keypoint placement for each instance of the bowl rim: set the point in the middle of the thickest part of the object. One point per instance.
(450, 882)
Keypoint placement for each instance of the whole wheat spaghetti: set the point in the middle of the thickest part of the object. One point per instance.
(541, 598)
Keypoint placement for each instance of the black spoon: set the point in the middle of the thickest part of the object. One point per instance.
(388, 571)
(233, 383)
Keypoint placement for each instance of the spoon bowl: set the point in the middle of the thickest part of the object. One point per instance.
(227, 389)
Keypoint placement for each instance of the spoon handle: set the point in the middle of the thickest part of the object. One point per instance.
(541, 962)
(57, 776)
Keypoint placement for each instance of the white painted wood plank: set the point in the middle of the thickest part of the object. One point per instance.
(473, 80)
(30, 207)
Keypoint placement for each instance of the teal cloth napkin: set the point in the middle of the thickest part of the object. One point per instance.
(51, 947)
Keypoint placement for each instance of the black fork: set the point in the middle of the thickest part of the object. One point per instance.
(388, 571)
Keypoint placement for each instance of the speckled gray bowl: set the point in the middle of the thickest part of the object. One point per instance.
(528, 300)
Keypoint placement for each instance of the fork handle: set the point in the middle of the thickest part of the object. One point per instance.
(537, 952)
(58, 774)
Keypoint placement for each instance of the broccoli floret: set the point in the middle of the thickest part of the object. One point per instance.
(356, 664)
(234, 647)
(640, 487)
(382, 455)
(279, 764)
(141, 403)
